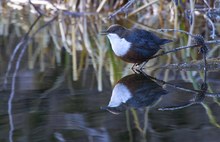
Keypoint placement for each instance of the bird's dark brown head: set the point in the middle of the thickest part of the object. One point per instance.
(115, 29)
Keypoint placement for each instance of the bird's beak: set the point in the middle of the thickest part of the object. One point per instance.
(113, 110)
(103, 33)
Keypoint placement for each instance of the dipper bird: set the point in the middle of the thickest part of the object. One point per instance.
(134, 45)
(134, 91)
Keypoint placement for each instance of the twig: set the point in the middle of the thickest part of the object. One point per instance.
(142, 7)
(212, 42)
(173, 50)
(78, 14)
(192, 22)
(122, 9)
(205, 67)
(175, 30)
(213, 26)
(147, 27)
(193, 35)
(198, 38)
(100, 6)
(36, 8)
(207, 4)
(212, 95)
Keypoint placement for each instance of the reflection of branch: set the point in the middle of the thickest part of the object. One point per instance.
(212, 119)
(23, 44)
(177, 107)
(199, 94)
(198, 99)
(170, 84)
(19, 45)
(122, 9)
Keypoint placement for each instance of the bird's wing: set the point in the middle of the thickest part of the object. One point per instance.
(143, 38)
(146, 96)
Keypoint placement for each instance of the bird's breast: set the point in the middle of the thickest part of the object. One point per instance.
(120, 46)
(120, 94)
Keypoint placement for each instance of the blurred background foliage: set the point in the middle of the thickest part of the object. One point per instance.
(71, 36)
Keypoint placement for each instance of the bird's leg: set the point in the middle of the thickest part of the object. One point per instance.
(134, 69)
(142, 65)
(139, 69)
(133, 66)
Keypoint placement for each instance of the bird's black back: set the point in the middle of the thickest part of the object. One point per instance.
(145, 39)
(145, 91)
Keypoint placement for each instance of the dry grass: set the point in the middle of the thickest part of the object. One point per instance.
(79, 22)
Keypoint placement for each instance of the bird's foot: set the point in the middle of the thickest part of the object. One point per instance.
(137, 68)
(142, 66)
(133, 68)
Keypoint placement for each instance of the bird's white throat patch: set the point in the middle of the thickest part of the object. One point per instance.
(120, 94)
(120, 46)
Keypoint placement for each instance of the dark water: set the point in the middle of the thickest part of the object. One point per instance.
(50, 107)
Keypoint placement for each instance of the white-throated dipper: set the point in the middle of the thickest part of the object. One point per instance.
(134, 91)
(133, 45)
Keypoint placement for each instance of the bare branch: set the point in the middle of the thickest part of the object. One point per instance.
(213, 26)
(175, 30)
(122, 9)
(173, 50)
(213, 95)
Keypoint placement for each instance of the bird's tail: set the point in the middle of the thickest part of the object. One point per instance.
(165, 41)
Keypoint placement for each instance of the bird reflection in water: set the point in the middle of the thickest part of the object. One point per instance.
(141, 90)
(135, 91)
